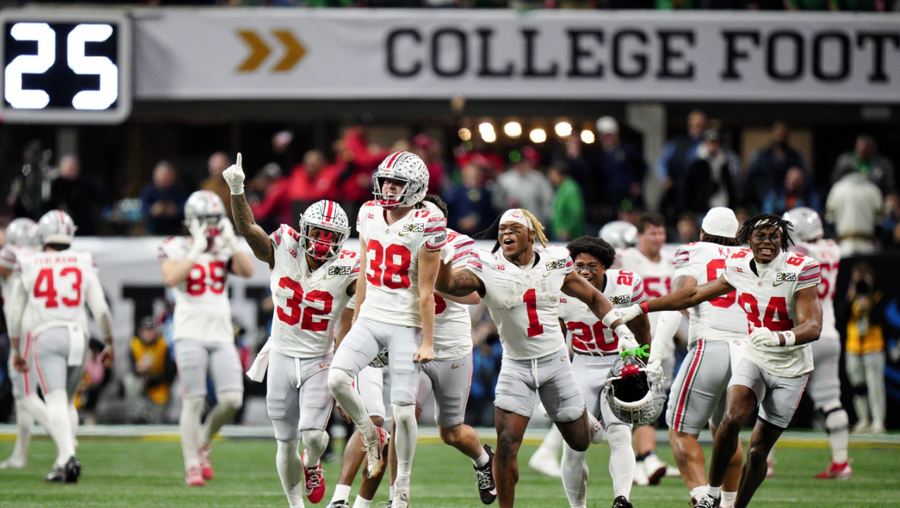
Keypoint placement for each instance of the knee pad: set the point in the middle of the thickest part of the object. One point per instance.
(315, 441)
(568, 414)
(339, 381)
(285, 430)
(230, 400)
(618, 435)
(836, 419)
(405, 415)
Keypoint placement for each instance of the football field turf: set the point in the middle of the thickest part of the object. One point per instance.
(139, 473)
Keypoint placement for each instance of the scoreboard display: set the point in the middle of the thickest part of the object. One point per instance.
(65, 67)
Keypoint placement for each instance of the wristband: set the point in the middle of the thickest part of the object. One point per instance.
(239, 191)
(789, 338)
(610, 317)
(645, 308)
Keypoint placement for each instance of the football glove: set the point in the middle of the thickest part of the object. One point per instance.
(626, 338)
(198, 233)
(234, 177)
(763, 337)
(380, 360)
(226, 232)
(630, 312)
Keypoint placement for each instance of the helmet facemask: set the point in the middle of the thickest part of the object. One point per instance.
(390, 201)
(321, 244)
(634, 393)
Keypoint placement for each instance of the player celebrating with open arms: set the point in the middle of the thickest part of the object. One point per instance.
(520, 286)
(400, 240)
(312, 281)
(777, 291)
(196, 267)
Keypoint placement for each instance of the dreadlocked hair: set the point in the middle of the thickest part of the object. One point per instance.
(492, 232)
(438, 202)
(766, 220)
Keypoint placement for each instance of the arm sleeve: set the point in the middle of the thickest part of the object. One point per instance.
(15, 307)
(637, 289)
(96, 301)
(810, 275)
(435, 232)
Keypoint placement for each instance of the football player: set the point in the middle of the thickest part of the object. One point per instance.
(312, 279)
(824, 384)
(21, 240)
(777, 292)
(520, 285)
(55, 285)
(718, 334)
(196, 267)
(400, 242)
(596, 348)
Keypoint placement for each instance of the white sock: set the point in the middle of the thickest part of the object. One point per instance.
(315, 442)
(715, 492)
(391, 493)
(73, 419)
(837, 423)
(482, 460)
(341, 385)
(621, 459)
(341, 493)
(552, 443)
(771, 457)
(35, 407)
(574, 475)
(405, 441)
(24, 423)
(287, 460)
(189, 425)
(728, 498)
(227, 406)
(697, 492)
(59, 426)
(362, 503)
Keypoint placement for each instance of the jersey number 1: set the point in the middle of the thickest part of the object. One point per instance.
(535, 327)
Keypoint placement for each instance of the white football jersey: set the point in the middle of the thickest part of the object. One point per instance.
(720, 318)
(452, 324)
(308, 303)
(828, 254)
(623, 288)
(392, 258)
(524, 303)
(9, 256)
(58, 286)
(202, 308)
(769, 298)
(657, 275)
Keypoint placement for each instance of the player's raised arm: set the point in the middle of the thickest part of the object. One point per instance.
(243, 217)
(576, 287)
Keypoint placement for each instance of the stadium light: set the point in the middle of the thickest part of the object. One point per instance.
(513, 129)
(488, 134)
(587, 137)
(538, 135)
(465, 134)
(563, 129)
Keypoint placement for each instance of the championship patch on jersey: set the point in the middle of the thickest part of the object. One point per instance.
(340, 270)
(555, 265)
(620, 299)
(785, 277)
(416, 227)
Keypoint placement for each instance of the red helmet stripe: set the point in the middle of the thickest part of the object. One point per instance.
(393, 159)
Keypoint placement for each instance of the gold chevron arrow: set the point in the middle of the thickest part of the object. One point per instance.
(294, 51)
(259, 51)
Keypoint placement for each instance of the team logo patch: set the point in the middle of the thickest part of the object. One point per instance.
(620, 300)
(555, 265)
(339, 270)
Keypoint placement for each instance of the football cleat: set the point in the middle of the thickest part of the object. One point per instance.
(13, 463)
(672, 472)
(193, 477)
(375, 455)
(621, 502)
(707, 501)
(655, 469)
(640, 474)
(66, 474)
(401, 498)
(770, 468)
(546, 464)
(836, 472)
(205, 465)
(338, 504)
(484, 478)
(314, 481)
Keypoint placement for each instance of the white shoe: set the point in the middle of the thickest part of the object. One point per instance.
(401, 498)
(640, 474)
(597, 429)
(672, 472)
(655, 469)
(545, 464)
(13, 463)
(861, 426)
(877, 428)
(375, 454)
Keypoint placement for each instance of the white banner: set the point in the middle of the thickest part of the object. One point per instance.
(568, 54)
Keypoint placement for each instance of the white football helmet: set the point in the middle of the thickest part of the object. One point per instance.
(619, 234)
(806, 223)
(406, 167)
(329, 216)
(22, 232)
(56, 227)
(206, 207)
(634, 392)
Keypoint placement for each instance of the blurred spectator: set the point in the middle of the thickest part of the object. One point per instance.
(811, 5)
(490, 163)
(621, 167)
(866, 160)
(523, 186)
(314, 179)
(25, 194)
(688, 230)
(470, 202)
(147, 384)
(77, 196)
(217, 164)
(163, 202)
(93, 380)
(677, 155)
(865, 355)
(711, 179)
(854, 206)
(890, 228)
(793, 194)
(275, 206)
(768, 167)
(567, 222)
(428, 150)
